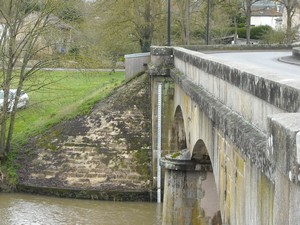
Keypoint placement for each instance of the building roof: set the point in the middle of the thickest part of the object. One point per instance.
(266, 8)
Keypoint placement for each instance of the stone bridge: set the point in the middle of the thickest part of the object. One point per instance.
(230, 141)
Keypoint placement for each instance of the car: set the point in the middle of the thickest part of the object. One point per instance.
(22, 103)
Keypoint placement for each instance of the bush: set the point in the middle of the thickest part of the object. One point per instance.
(241, 32)
(274, 37)
(259, 31)
(255, 33)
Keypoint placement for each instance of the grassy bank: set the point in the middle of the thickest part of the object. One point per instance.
(66, 95)
(56, 96)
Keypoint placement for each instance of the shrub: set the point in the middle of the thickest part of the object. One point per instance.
(274, 37)
(241, 32)
(255, 33)
(259, 31)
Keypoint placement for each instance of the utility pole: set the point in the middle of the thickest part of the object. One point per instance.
(208, 22)
(169, 22)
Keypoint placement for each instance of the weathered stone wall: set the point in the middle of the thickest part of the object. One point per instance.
(241, 181)
(159, 71)
(103, 155)
(246, 120)
(284, 150)
(166, 123)
(191, 196)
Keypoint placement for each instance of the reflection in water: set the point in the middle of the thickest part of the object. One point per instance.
(22, 209)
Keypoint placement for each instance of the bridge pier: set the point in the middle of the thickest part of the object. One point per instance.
(161, 82)
(190, 195)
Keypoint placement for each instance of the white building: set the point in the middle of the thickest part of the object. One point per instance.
(266, 13)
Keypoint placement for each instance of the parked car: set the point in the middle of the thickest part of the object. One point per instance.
(22, 103)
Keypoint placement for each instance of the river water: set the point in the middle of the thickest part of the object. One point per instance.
(25, 209)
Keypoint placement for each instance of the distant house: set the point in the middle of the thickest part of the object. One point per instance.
(63, 37)
(266, 13)
(57, 40)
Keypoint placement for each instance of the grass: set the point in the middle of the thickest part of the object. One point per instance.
(68, 94)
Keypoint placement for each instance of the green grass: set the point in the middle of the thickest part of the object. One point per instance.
(67, 95)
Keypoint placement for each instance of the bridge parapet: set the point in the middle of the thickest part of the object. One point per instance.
(161, 61)
(284, 144)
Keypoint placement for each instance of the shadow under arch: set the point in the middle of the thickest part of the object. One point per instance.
(207, 194)
(178, 141)
(200, 152)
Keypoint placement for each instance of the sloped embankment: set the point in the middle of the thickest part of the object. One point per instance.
(103, 155)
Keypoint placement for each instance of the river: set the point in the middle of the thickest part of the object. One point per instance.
(25, 209)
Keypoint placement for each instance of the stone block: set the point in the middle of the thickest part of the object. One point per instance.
(265, 200)
(294, 215)
(281, 199)
(239, 199)
(283, 130)
(161, 61)
(240, 164)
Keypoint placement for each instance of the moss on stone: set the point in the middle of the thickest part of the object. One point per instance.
(175, 155)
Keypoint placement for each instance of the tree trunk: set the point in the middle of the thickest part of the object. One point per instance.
(146, 28)
(12, 49)
(248, 21)
(208, 22)
(235, 30)
(289, 35)
(187, 21)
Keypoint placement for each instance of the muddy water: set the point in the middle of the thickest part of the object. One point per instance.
(23, 209)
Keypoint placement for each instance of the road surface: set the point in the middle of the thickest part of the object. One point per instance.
(266, 61)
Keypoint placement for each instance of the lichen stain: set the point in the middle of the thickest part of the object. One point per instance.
(199, 216)
(266, 197)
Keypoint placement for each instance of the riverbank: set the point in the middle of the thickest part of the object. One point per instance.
(106, 152)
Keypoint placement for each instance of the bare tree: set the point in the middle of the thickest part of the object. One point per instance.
(248, 11)
(247, 8)
(183, 19)
(186, 16)
(290, 7)
(24, 23)
(134, 21)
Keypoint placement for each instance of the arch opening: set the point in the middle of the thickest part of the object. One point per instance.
(207, 194)
(179, 136)
(200, 152)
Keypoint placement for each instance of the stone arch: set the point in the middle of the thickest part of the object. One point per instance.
(207, 194)
(179, 135)
(200, 152)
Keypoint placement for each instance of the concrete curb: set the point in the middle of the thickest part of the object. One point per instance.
(296, 53)
(290, 59)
